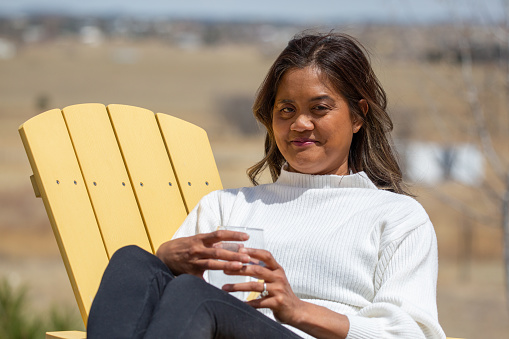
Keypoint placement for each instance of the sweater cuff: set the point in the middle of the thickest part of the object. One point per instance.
(363, 327)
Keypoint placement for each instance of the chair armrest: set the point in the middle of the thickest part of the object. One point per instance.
(66, 335)
(83, 335)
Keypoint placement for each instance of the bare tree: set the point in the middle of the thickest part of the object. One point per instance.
(477, 45)
(500, 33)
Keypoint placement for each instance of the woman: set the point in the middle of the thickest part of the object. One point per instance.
(349, 255)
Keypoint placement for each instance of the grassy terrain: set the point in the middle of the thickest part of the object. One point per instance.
(18, 320)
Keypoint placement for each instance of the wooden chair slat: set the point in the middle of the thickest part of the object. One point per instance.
(60, 182)
(105, 176)
(150, 170)
(191, 157)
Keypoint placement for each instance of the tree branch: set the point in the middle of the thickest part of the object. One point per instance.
(477, 109)
(465, 209)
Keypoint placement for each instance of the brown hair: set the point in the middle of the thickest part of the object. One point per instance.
(344, 62)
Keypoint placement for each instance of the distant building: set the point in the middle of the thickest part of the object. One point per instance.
(7, 49)
(91, 35)
(431, 163)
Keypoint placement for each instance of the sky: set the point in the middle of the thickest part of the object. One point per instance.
(409, 11)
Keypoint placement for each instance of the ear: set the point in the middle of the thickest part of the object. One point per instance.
(357, 124)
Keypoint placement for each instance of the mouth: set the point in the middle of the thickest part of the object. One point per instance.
(303, 141)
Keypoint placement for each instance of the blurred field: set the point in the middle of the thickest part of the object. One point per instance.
(193, 84)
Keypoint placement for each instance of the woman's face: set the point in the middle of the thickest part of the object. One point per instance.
(312, 123)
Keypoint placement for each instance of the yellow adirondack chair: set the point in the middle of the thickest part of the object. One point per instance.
(113, 176)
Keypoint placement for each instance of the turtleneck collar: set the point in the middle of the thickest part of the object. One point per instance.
(357, 180)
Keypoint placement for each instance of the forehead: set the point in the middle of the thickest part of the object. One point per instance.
(300, 81)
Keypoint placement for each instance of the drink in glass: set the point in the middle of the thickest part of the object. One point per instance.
(218, 278)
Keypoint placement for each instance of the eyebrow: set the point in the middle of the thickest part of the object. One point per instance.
(321, 97)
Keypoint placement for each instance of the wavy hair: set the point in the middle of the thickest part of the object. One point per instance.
(345, 63)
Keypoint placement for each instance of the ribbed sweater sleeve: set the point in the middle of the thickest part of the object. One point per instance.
(404, 302)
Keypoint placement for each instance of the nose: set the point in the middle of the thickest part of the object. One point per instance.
(302, 122)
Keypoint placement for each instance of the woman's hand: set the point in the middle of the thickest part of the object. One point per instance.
(195, 254)
(280, 299)
(198, 253)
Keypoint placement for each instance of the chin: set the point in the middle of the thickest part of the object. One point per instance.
(305, 170)
(315, 169)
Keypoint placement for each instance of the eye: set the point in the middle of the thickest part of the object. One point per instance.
(321, 109)
(286, 112)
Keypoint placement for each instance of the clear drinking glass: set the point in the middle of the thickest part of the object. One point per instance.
(218, 278)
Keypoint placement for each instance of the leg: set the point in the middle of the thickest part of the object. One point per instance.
(191, 308)
(130, 290)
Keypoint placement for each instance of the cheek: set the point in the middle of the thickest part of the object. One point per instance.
(279, 141)
(278, 130)
(279, 138)
(340, 137)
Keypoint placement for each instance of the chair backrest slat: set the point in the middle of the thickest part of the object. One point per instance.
(150, 170)
(191, 157)
(60, 182)
(106, 177)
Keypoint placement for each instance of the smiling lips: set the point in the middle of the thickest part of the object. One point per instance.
(303, 141)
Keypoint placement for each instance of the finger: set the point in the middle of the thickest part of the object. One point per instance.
(222, 254)
(262, 303)
(263, 255)
(230, 246)
(255, 271)
(255, 286)
(209, 264)
(223, 235)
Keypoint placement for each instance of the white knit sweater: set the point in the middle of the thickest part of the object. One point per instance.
(344, 244)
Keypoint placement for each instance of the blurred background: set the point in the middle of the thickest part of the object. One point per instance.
(444, 65)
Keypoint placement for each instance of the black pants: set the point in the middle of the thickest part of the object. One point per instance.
(139, 297)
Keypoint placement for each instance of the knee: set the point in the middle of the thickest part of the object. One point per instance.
(134, 259)
(129, 252)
